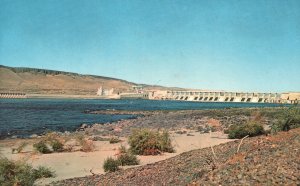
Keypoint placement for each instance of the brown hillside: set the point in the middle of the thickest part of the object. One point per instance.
(55, 82)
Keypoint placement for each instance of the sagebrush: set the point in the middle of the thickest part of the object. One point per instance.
(250, 129)
(13, 173)
(111, 165)
(149, 142)
(288, 119)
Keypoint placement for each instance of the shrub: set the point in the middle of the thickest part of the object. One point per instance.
(20, 147)
(128, 159)
(165, 142)
(288, 119)
(87, 146)
(42, 147)
(122, 149)
(20, 173)
(111, 165)
(114, 140)
(43, 172)
(239, 131)
(148, 142)
(57, 146)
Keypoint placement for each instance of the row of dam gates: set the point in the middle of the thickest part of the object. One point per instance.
(203, 96)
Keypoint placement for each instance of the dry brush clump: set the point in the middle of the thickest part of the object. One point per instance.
(149, 142)
(52, 142)
(288, 119)
(251, 128)
(20, 173)
(42, 147)
(87, 145)
(20, 147)
(111, 165)
(124, 157)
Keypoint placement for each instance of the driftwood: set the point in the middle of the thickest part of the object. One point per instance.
(241, 143)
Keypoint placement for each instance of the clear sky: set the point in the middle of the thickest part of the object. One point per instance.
(233, 45)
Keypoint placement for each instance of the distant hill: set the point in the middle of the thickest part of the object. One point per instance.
(43, 81)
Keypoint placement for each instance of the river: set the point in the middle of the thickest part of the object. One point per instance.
(24, 117)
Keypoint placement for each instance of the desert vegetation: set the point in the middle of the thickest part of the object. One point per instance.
(52, 142)
(42, 147)
(111, 165)
(19, 148)
(284, 120)
(288, 119)
(13, 173)
(149, 142)
(250, 129)
(124, 157)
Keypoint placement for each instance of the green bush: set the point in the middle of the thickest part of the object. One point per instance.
(57, 146)
(43, 172)
(288, 119)
(128, 159)
(251, 128)
(20, 173)
(111, 165)
(149, 142)
(42, 147)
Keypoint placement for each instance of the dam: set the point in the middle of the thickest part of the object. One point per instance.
(12, 95)
(182, 95)
(223, 96)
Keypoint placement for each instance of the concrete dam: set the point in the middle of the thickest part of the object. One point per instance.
(215, 96)
(12, 95)
(184, 95)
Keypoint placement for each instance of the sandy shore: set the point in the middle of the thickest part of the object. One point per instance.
(79, 164)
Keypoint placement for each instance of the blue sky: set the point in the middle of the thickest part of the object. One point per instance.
(232, 45)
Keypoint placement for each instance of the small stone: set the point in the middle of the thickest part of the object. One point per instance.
(34, 136)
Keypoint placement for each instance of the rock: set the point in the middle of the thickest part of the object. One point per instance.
(33, 136)
(83, 126)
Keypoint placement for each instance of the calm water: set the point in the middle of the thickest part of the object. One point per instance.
(23, 117)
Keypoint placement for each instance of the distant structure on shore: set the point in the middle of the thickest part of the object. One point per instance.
(137, 92)
(211, 96)
(12, 95)
(104, 92)
(222, 96)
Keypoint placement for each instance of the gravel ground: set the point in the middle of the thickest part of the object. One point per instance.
(264, 160)
(178, 120)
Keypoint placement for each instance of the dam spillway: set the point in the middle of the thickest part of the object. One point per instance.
(207, 96)
(12, 95)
